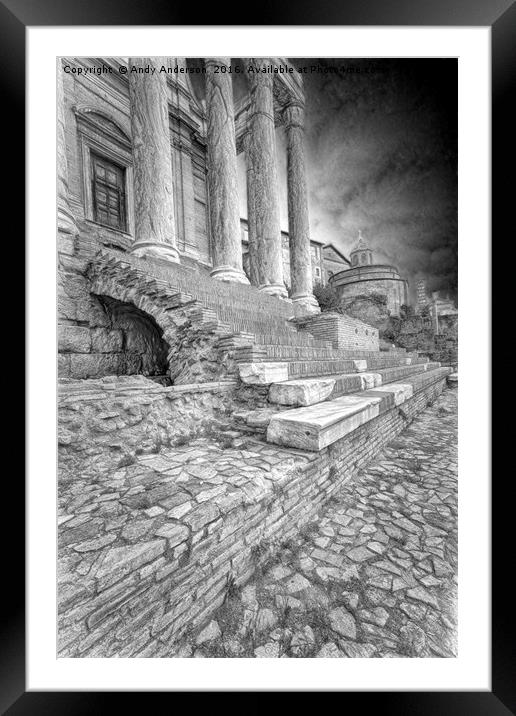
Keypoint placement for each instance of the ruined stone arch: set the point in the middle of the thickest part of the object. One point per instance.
(188, 330)
(142, 348)
(147, 333)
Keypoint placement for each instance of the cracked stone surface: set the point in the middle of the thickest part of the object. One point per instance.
(374, 576)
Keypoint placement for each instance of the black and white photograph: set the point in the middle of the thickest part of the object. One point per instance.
(258, 365)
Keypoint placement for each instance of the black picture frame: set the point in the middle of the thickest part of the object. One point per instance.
(500, 15)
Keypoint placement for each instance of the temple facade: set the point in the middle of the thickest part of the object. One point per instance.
(147, 166)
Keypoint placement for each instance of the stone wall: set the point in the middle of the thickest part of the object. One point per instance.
(105, 423)
(106, 330)
(394, 290)
(345, 332)
(118, 339)
(97, 116)
(171, 566)
(371, 309)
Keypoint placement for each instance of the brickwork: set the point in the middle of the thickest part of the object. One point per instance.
(149, 551)
(343, 331)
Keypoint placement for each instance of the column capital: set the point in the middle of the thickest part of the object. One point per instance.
(294, 115)
(215, 61)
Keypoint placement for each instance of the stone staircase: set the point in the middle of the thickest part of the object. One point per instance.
(316, 393)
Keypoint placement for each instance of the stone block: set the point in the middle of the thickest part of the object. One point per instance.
(121, 561)
(370, 380)
(92, 365)
(401, 391)
(315, 427)
(360, 365)
(63, 366)
(104, 340)
(301, 392)
(262, 373)
(74, 339)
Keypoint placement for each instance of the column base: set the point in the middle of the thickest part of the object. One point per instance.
(274, 289)
(229, 273)
(305, 305)
(155, 250)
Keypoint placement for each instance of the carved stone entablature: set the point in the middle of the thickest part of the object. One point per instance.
(180, 115)
(199, 138)
(287, 90)
(103, 76)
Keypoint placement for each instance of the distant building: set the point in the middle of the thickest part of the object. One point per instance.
(316, 253)
(441, 307)
(334, 261)
(366, 277)
(422, 299)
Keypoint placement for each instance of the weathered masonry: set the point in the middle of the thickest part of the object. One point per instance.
(147, 167)
(203, 413)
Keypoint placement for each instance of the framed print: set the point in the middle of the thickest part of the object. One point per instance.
(250, 464)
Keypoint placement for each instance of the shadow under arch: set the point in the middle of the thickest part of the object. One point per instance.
(143, 348)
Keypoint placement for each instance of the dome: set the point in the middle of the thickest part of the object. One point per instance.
(361, 254)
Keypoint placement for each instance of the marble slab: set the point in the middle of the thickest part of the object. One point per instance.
(307, 391)
(262, 373)
(316, 426)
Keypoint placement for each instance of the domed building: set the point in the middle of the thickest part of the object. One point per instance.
(364, 278)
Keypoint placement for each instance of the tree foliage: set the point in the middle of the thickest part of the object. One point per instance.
(327, 297)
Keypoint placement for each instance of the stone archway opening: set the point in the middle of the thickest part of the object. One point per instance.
(143, 350)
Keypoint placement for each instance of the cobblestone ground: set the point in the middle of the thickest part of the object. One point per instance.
(374, 576)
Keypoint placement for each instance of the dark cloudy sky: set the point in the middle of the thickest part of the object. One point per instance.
(382, 157)
(381, 149)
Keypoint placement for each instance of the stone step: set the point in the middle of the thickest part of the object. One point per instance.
(262, 372)
(317, 426)
(267, 372)
(281, 352)
(309, 391)
(312, 368)
(299, 338)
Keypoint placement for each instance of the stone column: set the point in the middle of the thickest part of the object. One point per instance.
(264, 180)
(155, 233)
(65, 219)
(222, 174)
(251, 218)
(298, 226)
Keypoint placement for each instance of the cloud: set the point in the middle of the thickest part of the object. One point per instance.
(381, 152)
(381, 156)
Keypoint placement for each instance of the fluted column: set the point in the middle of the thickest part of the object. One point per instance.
(155, 233)
(264, 177)
(298, 224)
(65, 219)
(222, 174)
(251, 218)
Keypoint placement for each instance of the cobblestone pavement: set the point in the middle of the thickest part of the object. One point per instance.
(374, 576)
